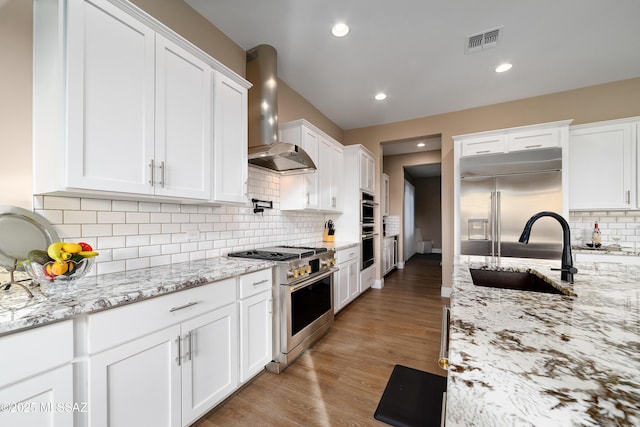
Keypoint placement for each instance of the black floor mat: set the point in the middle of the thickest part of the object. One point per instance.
(412, 398)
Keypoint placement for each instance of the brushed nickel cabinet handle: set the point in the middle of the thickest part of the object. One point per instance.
(533, 146)
(483, 151)
(628, 197)
(152, 165)
(260, 282)
(162, 174)
(190, 304)
(190, 346)
(179, 358)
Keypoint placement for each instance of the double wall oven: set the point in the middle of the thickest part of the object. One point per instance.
(367, 224)
(303, 298)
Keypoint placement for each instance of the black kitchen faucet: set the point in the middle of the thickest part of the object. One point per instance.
(567, 269)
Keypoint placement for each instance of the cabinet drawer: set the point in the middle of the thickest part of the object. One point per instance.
(254, 283)
(483, 145)
(344, 255)
(116, 326)
(533, 140)
(37, 350)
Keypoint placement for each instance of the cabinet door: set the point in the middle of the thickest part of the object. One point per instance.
(137, 383)
(367, 173)
(325, 170)
(311, 144)
(43, 400)
(601, 167)
(110, 66)
(210, 361)
(184, 102)
(485, 144)
(385, 194)
(255, 334)
(230, 164)
(354, 275)
(337, 165)
(341, 288)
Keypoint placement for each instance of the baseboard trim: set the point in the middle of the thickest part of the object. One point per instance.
(400, 265)
(378, 284)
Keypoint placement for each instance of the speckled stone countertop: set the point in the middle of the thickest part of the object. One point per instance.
(94, 293)
(535, 359)
(608, 250)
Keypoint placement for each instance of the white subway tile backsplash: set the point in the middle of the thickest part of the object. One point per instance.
(125, 229)
(150, 228)
(64, 203)
(95, 205)
(124, 205)
(97, 230)
(108, 217)
(124, 253)
(149, 251)
(148, 207)
(135, 234)
(137, 217)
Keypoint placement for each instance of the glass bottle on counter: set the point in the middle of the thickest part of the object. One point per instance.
(596, 236)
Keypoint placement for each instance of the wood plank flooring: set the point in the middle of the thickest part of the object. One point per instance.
(339, 381)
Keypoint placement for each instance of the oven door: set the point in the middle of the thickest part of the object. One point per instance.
(368, 258)
(309, 305)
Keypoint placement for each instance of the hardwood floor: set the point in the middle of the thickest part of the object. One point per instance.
(339, 381)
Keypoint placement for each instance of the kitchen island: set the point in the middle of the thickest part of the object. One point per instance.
(528, 358)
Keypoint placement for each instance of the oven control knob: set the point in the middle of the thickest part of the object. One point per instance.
(308, 269)
(293, 273)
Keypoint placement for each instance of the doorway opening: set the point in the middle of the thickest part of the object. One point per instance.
(413, 170)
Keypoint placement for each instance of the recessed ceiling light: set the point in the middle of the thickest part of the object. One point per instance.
(503, 67)
(421, 144)
(340, 29)
(380, 96)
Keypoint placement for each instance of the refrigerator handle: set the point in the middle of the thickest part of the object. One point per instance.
(498, 222)
(492, 223)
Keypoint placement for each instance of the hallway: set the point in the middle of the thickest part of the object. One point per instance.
(339, 380)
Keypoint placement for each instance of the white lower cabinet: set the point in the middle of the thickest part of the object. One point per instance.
(36, 381)
(389, 254)
(167, 361)
(256, 323)
(137, 383)
(346, 286)
(209, 361)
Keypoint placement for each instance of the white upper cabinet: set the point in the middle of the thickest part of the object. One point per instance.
(531, 137)
(602, 165)
(184, 102)
(318, 190)
(110, 127)
(367, 172)
(230, 164)
(330, 175)
(124, 107)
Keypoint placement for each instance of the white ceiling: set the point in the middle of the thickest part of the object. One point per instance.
(414, 50)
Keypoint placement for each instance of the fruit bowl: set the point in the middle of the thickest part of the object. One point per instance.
(55, 277)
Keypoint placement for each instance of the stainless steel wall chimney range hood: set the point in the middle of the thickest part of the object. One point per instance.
(265, 150)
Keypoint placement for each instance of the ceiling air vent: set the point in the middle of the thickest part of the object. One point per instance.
(484, 40)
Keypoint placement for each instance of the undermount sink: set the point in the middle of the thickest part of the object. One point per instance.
(512, 280)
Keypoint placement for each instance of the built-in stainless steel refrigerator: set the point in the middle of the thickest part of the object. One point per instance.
(498, 194)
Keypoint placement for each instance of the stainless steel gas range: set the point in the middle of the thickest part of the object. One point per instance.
(302, 298)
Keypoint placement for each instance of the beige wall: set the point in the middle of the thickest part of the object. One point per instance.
(292, 106)
(595, 103)
(184, 20)
(15, 102)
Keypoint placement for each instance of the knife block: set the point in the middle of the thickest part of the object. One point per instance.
(326, 237)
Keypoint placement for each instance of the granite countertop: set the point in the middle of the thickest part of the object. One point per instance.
(527, 358)
(607, 249)
(105, 291)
